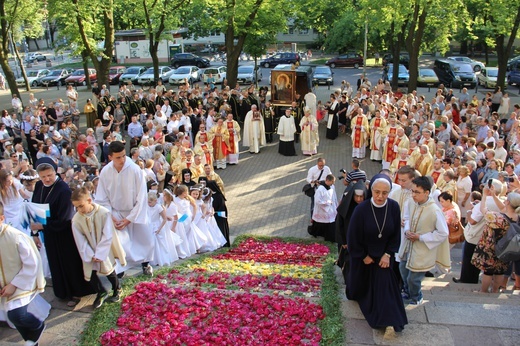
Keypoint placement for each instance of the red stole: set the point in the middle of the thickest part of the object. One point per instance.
(390, 154)
(435, 176)
(230, 127)
(377, 123)
(357, 135)
(207, 154)
(400, 164)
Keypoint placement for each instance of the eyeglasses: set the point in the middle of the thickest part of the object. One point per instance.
(416, 192)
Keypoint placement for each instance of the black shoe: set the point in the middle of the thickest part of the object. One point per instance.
(398, 329)
(116, 296)
(429, 275)
(457, 281)
(100, 299)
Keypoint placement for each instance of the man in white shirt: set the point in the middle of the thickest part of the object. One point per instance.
(17, 104)
(166, 108)
(500, 152)
(316, 174)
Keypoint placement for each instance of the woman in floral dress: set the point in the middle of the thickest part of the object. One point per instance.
(496, 226)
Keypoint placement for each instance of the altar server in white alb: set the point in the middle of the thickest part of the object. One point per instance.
(21, 282)
(122, 190)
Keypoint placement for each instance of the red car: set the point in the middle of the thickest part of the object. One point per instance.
(79, 78)
(347, 59)
(115, 73)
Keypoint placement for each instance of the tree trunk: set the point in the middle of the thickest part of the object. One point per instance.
(413, 44)
(463, 48)
(36, 43)
(22, 68)
(9, 75)
(4, 51)
(155, 58)
(84, 62)
(504, 50)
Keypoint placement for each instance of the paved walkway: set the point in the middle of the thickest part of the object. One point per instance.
(264, 197)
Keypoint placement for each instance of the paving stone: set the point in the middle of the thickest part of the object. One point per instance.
(416, 335)
(509, 337)
(469, 335)
(489, 315)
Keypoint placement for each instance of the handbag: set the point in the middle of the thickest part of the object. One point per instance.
(308, 189)
(456, 234)
(507, 249)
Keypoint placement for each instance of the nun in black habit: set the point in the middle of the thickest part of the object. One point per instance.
(354, 194)
(373, 238)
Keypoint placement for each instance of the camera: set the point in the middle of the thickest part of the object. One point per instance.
(342, 171)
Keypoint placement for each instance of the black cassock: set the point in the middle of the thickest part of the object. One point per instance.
(332, 132)
(64, 261)
(375, 288)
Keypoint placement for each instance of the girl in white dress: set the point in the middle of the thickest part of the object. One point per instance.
(200, 221)
(195, 239)
(208, 211)
(177, 236)
(157, 217)
(12, 199)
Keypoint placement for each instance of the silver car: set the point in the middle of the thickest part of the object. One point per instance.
(476, 65)
(147, 78)
(32, 77)
(247, 75)
(185, 74)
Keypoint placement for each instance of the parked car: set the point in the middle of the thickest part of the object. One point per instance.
(248, 75)
(346, 60)
(219, 73)
(185, 73)
(132, 73)
(280, 58)
(513, 72)
(488, 77)
(55, 77)
(427, 77)
(32, 77)
(476, 65)
(323, 75)
(404, 59)
(37, 56)
(403, 77)
(147, 78)
(454, 74)
(79, 78)
(188, 59)
(115, 73)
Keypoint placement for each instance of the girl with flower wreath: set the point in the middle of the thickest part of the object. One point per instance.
(208, 213)
(496, 227)
(199, 221)
(163, 254)
(195, 239)
(177, 234)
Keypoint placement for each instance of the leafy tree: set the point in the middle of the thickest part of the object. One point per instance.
(237, 20)
(497, 25)
(90, 25)
(13, 15)
(337, 41)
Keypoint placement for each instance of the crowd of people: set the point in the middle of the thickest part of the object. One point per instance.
(446, 164)
(157, 198)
